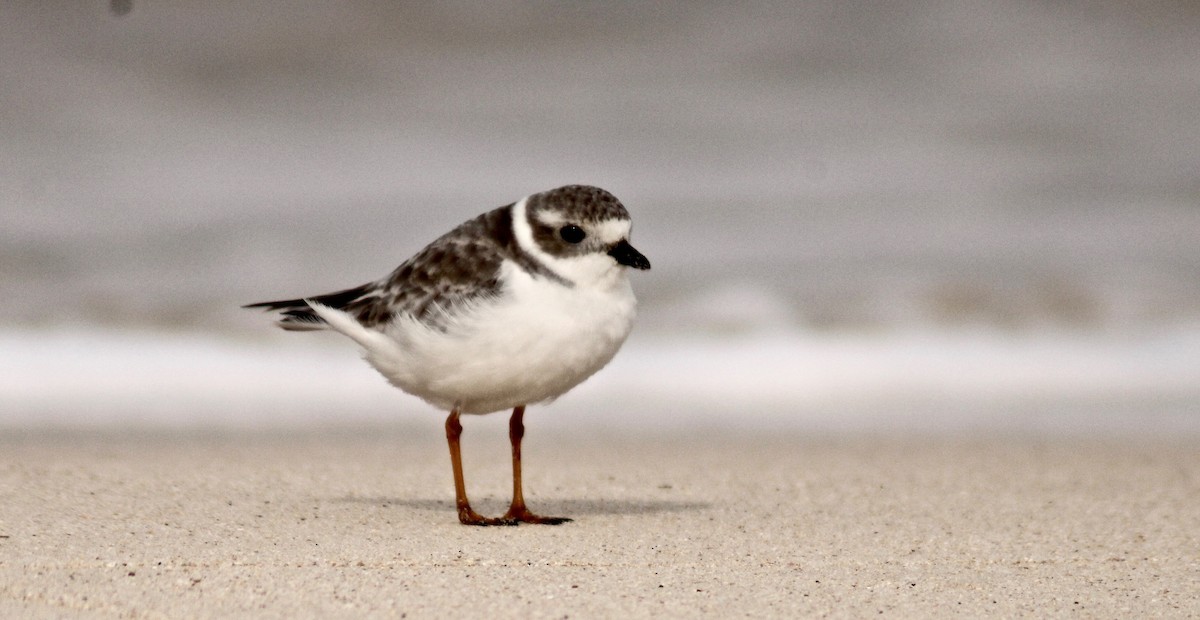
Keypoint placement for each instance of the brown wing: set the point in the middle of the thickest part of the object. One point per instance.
(461, 265)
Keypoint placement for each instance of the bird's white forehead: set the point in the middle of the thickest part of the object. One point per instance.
(609, 230)
(613, 230)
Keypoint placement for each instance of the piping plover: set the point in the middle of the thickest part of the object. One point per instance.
(514, 307)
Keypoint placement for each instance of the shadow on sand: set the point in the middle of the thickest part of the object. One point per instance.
(546, 506)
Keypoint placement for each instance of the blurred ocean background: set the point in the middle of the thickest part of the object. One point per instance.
(925, 216)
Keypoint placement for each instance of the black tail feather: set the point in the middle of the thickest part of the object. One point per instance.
(298, 315)
(278, 305)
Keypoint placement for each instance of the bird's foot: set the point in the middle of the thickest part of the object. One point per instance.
(466, 516)
(522, 515)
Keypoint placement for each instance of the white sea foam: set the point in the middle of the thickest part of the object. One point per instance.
(768, 379)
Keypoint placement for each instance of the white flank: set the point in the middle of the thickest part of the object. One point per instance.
(531, 344)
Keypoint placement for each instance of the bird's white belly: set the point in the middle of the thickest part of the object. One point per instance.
(537, 341)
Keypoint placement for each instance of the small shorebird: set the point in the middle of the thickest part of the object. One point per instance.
(514, 307)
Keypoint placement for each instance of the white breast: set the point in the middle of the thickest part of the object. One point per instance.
(534, 342)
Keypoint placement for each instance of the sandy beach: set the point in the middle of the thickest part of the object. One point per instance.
(357, 523)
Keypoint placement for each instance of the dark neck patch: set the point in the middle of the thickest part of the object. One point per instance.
(501, 225)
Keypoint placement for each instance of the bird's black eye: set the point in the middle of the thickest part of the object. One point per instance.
(571, 233)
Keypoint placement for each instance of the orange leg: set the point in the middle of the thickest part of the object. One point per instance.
(466, 515)
(517, 512)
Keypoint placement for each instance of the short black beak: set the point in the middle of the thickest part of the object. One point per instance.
(626, 255)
